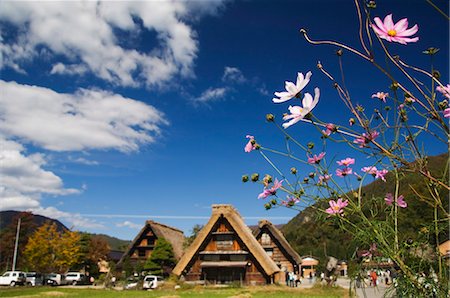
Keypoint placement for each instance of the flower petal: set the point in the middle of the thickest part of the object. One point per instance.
(388, 23)
(401, 25)
(379, 26)
(291, 88)
(411, 31)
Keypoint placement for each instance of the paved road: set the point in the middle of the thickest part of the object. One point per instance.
(364, 292)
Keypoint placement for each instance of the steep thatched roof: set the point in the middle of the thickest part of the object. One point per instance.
(242, 231)
(173, 235)
(279, 237)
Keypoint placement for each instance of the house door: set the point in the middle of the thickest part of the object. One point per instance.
(224, 275)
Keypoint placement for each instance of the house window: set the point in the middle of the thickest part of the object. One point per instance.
(265, 239)
(224, 241)
(141, 253)
(269, 251)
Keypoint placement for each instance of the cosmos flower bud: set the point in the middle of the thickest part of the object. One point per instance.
(387, 108)
(268, 206)
(371, 4)
(244, 178)
(443, 104)
(273, 202)
(394, 86)
(339, 52)
(267, 179)
(430, 51)
(255, 177)
(270, 117)
(351, 121)
(293, 171)
(310, 145)
(319, 65)
(306, 180)
(436, 74)
(312, 175)
(257, 146)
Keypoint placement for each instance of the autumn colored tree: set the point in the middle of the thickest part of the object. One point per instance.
(49, 250)
(8, 238)
(162, 259)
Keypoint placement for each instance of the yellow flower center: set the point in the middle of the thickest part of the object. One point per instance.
(392, 32)
(336, 208)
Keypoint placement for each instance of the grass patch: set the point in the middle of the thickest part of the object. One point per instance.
(198, 291)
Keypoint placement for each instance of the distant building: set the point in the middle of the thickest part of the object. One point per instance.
(278, 249)
(143, 244)
(444, 249)
(226, 251)
(309, 266)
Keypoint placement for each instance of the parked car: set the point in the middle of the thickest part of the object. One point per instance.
(12, 278)
(152, 282)
(34, 279)
(76, 278)
(55, 279)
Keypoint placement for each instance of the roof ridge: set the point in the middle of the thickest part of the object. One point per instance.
(149, 221)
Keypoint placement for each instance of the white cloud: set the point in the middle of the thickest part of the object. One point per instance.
(88, 119)
(83, 161)
(211, 94)
(128, 224)
(23, 177)
(233, 75)
(74, 220)
(85, 34)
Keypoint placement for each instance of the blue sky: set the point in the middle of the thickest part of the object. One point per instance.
(116, 112)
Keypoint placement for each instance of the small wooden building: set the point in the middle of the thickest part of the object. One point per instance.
(143, 244)
(278, 249)
(309, 266)
(226, 251)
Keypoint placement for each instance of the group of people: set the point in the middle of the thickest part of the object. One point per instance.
(292, 279)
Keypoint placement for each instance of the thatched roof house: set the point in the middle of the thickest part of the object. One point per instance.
(144, 243)
(277, 248)
(224, 251)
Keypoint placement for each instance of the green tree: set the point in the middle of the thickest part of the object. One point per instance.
(195, 230)
(49, 250)
(162, 259)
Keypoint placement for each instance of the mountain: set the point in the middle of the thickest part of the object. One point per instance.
(310, 233)
(7, 217)
(114, 243)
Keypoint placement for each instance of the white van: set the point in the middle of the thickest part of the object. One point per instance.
(152, 282)
(74, 278)
(34, 279)
(12, 278)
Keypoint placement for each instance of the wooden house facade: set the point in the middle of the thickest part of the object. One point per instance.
(278, 249)
(143, 244)
(226, 251)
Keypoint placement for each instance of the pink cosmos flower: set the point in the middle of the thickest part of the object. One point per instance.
(291, 201)
(292, 90)
(400, 200)
(346, 162)
(370, 170)
(381, 174)
(372, 249)
(444, 90)
(316, 158)
(447, 113)
(297, 112)
(324, 178)
(397, 32)
(249, 147)
(330, 128)
(365, 139)
(343, 172)
(271, 191)
(381, 96)
(336, 208)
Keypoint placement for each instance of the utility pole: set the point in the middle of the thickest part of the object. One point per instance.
(16, 246)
